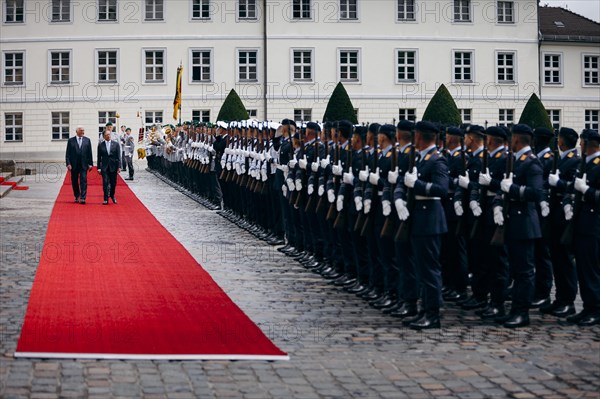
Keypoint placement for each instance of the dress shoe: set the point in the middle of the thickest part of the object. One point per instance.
(397, 305)
(493, 312)
(446, 289)
(114, 200)
(76, 199)
(105, 202)
(406, 322)
(82, 202)
(474, 303)
(356, 288)
(332, 275)
(548, 309)
(426, 322)
(364, 290)
(454, 296)
(408, 309)
(276, 241)
(385, 302)
(540, 302)
(576, 318)
(516, 321)
(351, 282)
(313, 265)
(563, 311)
(342, 281)
(371, 295)
(591, 319)
(294, 254)
(284, 248)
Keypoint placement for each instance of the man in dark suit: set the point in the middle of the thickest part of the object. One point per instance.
(109, 165)
(79, 162)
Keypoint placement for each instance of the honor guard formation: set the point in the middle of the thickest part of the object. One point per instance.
(410, 216)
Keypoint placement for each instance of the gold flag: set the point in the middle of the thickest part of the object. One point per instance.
(177, 100)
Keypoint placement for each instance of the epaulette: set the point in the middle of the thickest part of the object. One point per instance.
(571, 155)
(523, 157)
(407, 150)
(389, 154)
(547, 155)
(427, 157)
(498, 155)
(457, 154)
(597, 161)
(481, 154)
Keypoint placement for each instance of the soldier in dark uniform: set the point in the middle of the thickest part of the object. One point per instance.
(587, 233)
(543, 262)
(523, 189)
(563, 267)
(429, 180)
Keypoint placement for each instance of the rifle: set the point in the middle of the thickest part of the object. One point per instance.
(567, 237)
(403, 232)
(551, 192)
(477, 224)
(340, 220)
(498, 238)
(322, 200)
(368, 223)
(461, 226)
(388, 225)
(331, 213)
(310, 204)
(267, 149)
(300, 195)
(360, 220)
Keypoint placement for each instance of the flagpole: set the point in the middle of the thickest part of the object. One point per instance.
(181, 99)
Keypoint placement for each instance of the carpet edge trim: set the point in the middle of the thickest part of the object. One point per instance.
(113, 356)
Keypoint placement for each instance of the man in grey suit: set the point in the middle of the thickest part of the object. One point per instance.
(109, 165)
(79, 162)
(128, 152)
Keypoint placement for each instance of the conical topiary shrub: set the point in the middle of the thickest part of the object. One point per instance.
(442, 108)
(232, 109)
(339, 106)
(535, 114)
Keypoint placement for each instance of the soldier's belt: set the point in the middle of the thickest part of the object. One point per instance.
(491, 194)
(380, 193)
(424, 198)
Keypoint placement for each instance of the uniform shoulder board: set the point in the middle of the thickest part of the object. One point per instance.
(407, 150)
(389, 154)
(379, 151)
(523, 157)
(481, 154)
(597, 161)
(547, 155)
(571, 155)
(499, 154)
(457, 153)
(427, 157)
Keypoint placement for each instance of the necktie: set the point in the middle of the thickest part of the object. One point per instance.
(79, 141)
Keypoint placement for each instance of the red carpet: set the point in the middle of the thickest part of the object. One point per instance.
(113, 283)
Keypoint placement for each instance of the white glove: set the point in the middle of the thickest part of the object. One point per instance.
(330, 196)
(498, 216)
(303, 162)
(568, 212)
(367, 207)
(374, 177)
(325, 162)
(268, 157)
(340, 203)
(581, 185)
(261, 157)
(386, 207)
(311, 189)
(293, 163)
(463, 181)
(363, 175)
(298, 185)
(284, 189)
(458, 209)
(475, 208)
(337, 169)
(321, 190)
(393, 176)
(348, 178)
(228, 166)
(410, 178)
(314, 166)
(506, 183)
(553, 178)
(401, 209)
(358, 203)
(545, 208)
(263, 174)
(485, 179)
(290, 184)
(223, 164)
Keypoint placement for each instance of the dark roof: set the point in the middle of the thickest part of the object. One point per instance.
(559, 24)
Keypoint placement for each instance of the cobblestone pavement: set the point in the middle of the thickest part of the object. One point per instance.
(339, 347)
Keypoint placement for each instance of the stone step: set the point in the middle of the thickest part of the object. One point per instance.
(13, 181)
(5, 190)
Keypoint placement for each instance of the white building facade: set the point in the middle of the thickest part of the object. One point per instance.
(68, 63)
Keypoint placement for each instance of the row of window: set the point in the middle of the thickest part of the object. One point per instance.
(154, 10)
(61, 120)
(60, 64)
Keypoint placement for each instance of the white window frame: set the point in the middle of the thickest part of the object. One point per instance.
(588, 118)
(200, 19)
(63, 136)
(238, 65)
(164, 12)
(499, 14)
(70, 66)
(202, 115)
(293, 65)
(552, 113)
(503, 113)
(560, 68)
(406, 3)
(397, 65)
(248, 6)
(13, 126)
(462, 21)
(583, 70)
(24, 67)
(472, 66)
(405, 114)
(310, 10)
(61, 21)
(97, 70)
(154, 115)
(358, 65)
(357, 11)
(164, 66)
(5, 12)
(191, 64)
(304, 112)
(463, 113)
(103, 21)
(514, 81)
